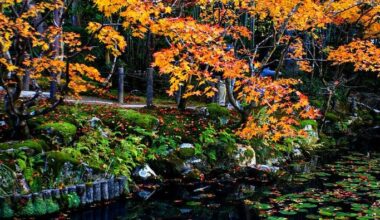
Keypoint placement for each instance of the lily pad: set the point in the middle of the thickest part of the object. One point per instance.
(289, 212)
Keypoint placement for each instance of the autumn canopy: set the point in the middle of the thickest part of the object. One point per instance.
(233, 39)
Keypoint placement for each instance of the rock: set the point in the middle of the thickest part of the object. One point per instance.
(297, 153)
(185, 211)
(186, 150)
(330, 116)
(194, 160)
(61, 133)
(266, 168)
(245, 156)
(276, 161)
(145, 172)
(203, 111)
(341, 107)
(144, 194)
(202, 189)
(193, 174)
(189, 172)
(95, 122)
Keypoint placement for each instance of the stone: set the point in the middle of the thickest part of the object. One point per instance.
(297, 153)
(186, 150)
(95, 122)
(245, 156)
(267, 168)
(144, 194)
(145, 172)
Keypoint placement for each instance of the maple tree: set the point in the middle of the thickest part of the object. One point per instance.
(232, 39)
(239, 38)
(199, 50)
(28, 51)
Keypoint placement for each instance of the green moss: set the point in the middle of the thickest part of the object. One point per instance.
(317, 103)
(64, 130)
(304, 123)
(249, 153)
(135, 118)
(216, 111)
(36, 144)
(61, 157)
(332, 116)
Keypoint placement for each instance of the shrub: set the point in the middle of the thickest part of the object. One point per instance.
(58, 132)
(216, 111)
(135, 118)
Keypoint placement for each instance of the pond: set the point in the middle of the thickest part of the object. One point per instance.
(347, 188)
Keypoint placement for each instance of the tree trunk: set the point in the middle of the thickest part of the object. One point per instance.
(182, 101)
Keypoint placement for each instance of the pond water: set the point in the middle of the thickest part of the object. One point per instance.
(346, 188)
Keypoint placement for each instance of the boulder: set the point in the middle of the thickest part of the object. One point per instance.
(145, 172)
(245, 156)
(61, 133)
(95, 122)
(186, 150)
(267, 168)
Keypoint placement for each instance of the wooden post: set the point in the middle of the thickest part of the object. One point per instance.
(149, 88)
(120, 94)
(178, 95)
(26, 81)
(53, 89)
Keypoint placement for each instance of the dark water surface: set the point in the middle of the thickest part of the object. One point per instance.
(347, 188)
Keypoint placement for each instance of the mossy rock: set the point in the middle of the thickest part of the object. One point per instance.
(61, 133)
(313, 123)
(186, 150)
(57, 159)
(60, 157)
(216, 111)
(35, 144)
(331, 116)
(317, 103)
(135, 118)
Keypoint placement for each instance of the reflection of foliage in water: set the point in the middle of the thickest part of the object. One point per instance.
(345, 189)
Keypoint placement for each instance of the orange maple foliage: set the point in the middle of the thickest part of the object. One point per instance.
(198, 52)
(364, 55)
(45, 61)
